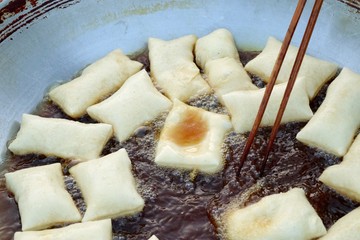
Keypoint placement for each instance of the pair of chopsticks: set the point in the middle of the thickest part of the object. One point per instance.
(295, 70)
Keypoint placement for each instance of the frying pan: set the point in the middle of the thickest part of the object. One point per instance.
(43, 42)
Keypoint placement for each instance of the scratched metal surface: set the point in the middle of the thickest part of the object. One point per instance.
(44, 42)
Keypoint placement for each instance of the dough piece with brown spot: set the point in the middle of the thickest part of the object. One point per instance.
(280, 216)
(192, 139)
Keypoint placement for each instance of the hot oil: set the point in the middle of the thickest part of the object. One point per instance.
(9, 218)
(180, 206)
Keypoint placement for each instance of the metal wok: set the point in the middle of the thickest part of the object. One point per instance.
(43, 42)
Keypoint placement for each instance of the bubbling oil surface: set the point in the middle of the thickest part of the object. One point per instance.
(180, 207)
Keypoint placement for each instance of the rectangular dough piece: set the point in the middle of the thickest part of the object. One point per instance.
(134, 104)
(315, 72)
(41, 196)
(344, 177)
(282, 216)
(108, 187)
(218, 44)
(60, 137)
(226, 75)
(192, 138)
(97, 230)
(96, 82)
(337, 120)
(346, 228)
(244, 105)
(173, 69)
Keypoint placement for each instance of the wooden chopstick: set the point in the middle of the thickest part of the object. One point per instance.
(291, 82)
(294, 72)
(269, 87)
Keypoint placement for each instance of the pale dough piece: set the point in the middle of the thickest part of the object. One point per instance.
(108, 187)
(226, 75)
(153, 237)
(315, 72)
(244, 105)
(192, 139)
(218, 44)
(173, 69)
(97, 230)
(41, 196)
(346, 228)
(96, 82)
(344, 177)
(135, 103)
(335, 123)
(60, 137)
(280, 216)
